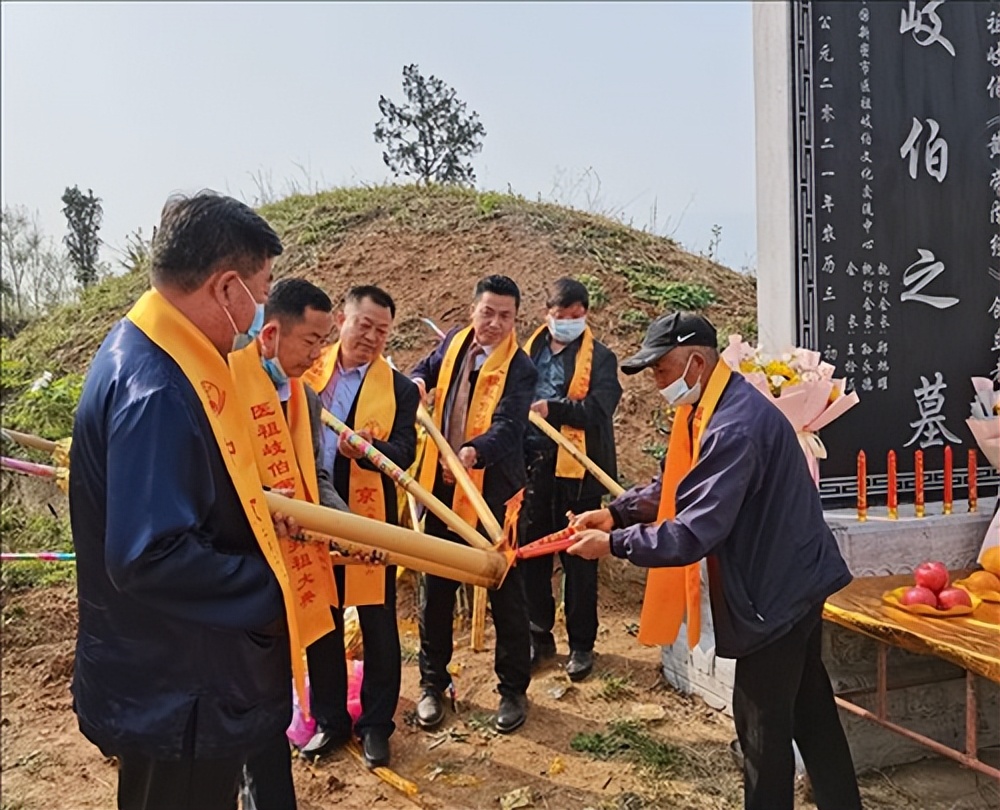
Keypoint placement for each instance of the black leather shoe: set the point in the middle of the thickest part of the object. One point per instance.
(430, 709)
(375, 746)
(580, 664)
(512, 713)
(323, 742)
(541, 652)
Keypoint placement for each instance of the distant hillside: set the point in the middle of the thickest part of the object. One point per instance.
(427, 247)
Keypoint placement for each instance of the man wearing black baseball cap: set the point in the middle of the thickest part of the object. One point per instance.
(736, 491)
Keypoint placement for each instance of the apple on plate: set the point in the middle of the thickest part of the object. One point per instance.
(931, 575)
(919, 596)
(953, 597)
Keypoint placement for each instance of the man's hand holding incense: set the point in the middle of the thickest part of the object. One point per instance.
(592, 545)
(346, 450)
(284, 526)
(595, 519)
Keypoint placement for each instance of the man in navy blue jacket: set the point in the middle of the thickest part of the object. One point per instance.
(182, 658)
(499, 452)
(750, 507)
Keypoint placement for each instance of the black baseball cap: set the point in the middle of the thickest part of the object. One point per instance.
(668, 332)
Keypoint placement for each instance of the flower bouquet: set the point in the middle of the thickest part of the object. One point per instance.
(800, 385)
(985, 426)
(985, 419)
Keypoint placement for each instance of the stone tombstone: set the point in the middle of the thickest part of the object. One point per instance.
(893, 134)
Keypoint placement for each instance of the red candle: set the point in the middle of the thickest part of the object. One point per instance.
(918, 481)
(973, 494)
(893, 487)
(862, 487)
(947, 480)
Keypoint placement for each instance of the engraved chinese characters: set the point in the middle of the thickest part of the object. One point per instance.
(897, 199)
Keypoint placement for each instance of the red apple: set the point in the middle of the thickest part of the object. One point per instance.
(919, 596)
(953, 597)
(931, 575)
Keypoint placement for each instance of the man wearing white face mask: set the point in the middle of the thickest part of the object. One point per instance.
(577, 392)
(736, 490)
(183, 656)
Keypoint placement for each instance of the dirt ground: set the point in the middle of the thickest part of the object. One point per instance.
(46, 762)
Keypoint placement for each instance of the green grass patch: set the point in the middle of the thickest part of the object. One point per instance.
(649, 283)
(616, 687)
(628, 740)
(595, 289)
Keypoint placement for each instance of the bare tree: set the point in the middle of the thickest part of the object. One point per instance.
(36, 275)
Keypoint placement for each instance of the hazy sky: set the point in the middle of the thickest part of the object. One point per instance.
(137, 101)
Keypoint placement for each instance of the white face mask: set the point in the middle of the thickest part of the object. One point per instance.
(566, 330)
(679, 392)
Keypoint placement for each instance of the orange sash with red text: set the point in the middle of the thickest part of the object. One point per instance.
(670, 592)
(484, 400)
(579, 386)
(375, 412)
(210, 377)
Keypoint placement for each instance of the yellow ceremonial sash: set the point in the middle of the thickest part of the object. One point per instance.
(579, 386)
(285, 457)
(671, 591)
(209, 375)
(485, 396)
(375, 412)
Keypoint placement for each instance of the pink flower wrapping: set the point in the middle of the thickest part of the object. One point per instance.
(985, 419)
(801, 385)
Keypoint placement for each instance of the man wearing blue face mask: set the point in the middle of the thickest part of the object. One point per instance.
(296, 324)
(577, 392)
(736, 491)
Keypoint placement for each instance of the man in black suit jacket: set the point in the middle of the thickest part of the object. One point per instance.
(577, 392)
(485, 424)
(356, 373)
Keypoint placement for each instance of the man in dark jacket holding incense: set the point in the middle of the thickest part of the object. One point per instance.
(187, 610)
(483, 385)
(577, 393)
(736, 490)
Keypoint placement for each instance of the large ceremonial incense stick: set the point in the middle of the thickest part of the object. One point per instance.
(45, 556)
(606, 480)
(486, 517)
(29, 467)
(420, 551)
(28, 440)
(352, 552)
(402, 478)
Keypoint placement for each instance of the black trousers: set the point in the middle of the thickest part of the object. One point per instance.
(267, 779)
(512, 657)
(544, 512)
(383, 661)
(145, 783)
(782, 692)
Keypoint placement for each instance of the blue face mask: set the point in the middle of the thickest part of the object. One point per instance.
(679, 392)
(272, 365)
(566, 330)
(242, 339)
